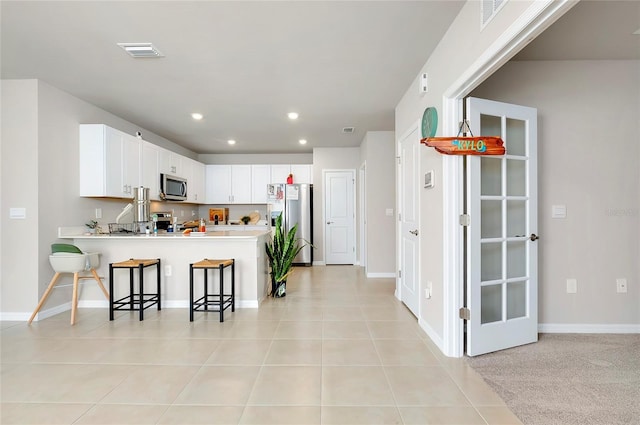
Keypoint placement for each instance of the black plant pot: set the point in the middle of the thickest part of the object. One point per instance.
(278, 289)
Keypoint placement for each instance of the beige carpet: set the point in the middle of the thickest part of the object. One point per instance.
(568, 379)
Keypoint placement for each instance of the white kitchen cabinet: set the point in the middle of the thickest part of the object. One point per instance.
(228, 184)
(109, 162)
(149, 169)
(280, 172)
(302, 173)
(171, 163)
(260, 178)
(194, 173)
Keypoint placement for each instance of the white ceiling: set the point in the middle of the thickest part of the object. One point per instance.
(244, 65)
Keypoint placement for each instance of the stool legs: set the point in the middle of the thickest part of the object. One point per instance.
(45, 296)
(220, 300)
(135, 301)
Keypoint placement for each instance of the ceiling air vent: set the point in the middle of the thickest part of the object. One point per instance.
(348, 130)
(141, 50)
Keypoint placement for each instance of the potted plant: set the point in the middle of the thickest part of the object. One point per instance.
(281, 252)
(92, 225)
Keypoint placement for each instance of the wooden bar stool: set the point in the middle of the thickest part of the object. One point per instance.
(218, 302)
(135, 301)
(67, 258)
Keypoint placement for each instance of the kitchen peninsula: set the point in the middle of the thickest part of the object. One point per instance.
(177, 251)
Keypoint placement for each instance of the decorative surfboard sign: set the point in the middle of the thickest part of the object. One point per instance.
(487, 145)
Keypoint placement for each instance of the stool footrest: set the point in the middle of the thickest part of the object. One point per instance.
(213, 300)
(125, 303)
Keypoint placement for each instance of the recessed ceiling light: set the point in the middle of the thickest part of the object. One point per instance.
(197, 116)
(293, 115)
(141, 50)
(348, 130)
(231, 142)
(302, 141)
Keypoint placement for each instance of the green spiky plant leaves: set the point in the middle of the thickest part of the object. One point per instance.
(281, 251)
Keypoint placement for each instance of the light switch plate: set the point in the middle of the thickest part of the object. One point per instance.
(558, 211)
(572, 286)
(17, 213)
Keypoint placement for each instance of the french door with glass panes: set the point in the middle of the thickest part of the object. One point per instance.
(502, 286)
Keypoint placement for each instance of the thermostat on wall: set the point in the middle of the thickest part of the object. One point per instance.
(428, 179)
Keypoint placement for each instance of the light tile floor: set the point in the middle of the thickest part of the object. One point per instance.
(338, 349)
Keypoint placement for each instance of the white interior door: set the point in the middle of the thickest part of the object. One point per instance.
(339, 217)
(502, 261)
(409, 243)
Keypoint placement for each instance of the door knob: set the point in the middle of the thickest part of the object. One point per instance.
(414, 232)
(534, 237)
(329, 222)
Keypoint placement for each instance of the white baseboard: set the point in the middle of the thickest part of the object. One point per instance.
(433, 336)
(92, 304)
(318, 263)
(595, 328)
(380, 275)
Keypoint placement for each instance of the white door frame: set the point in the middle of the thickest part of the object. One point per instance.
(362, 187)
(537, 18)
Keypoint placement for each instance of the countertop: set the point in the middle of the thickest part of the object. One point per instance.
(79, 233)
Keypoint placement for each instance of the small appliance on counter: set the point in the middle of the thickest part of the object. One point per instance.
(165, 220)
(219, 215)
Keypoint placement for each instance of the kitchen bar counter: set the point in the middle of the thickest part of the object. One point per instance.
(177, 251)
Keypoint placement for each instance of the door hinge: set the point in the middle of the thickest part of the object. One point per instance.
(398, 158)
(465, 313)
(465, 220)
(400, 273)
(399, 216)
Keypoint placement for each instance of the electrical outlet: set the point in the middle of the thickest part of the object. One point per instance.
(572, 286)
(98, 212)
(168, 270)
(621, 285)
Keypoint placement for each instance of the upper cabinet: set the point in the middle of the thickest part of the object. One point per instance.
(260, 178)
(112, 163)
(109, 162)
(171, 163)
(149, 166)
(194, 172)
(228, 184)
(302, 173)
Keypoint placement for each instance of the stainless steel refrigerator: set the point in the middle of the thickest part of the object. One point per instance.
(295, 203)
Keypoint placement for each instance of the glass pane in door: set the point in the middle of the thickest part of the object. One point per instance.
(516, 177)
(491, 310)
(516, 299)
(491, 225)
(490, 125)
(515, 141)
(516, 259)
(491, 261)
(516, 218)
(491, 176)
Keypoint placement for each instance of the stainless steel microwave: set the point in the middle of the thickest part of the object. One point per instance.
(173, 188)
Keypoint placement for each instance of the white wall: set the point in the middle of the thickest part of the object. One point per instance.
(378, 151)
(588, 114)
(328, 159)
(40, 155)
(463, 46)
(19, 182)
